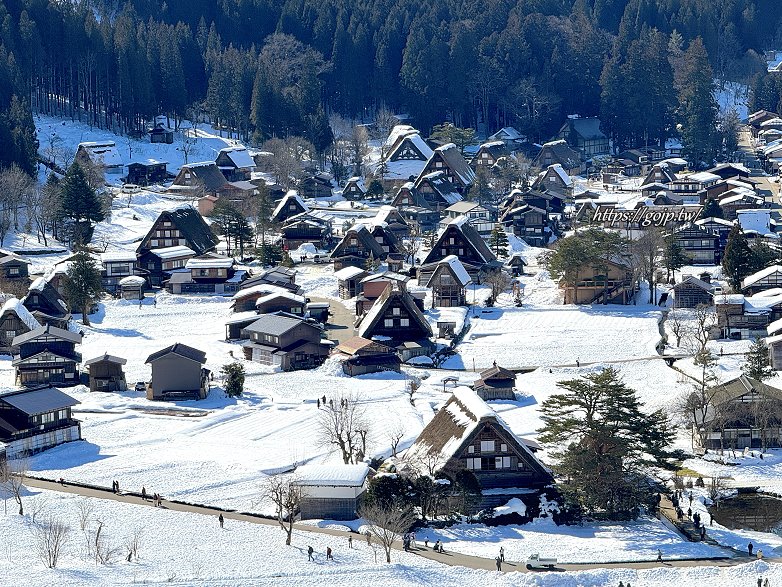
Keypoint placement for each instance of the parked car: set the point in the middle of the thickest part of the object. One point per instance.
(140, 386)
(535, 562)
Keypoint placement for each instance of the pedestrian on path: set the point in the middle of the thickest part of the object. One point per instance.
(760, 581)
(502, 554)
(659, 555)
(329, 556)
(499, 563)
(578, 362)
(318, 403)
(350, 542)
(703, 533)
(426, 542)
(221, 519)
(144, 493)
(369, 538)
(412, 540)
(750, 546)
(310, 550)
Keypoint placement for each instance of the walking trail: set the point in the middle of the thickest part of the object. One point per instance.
(448, 558)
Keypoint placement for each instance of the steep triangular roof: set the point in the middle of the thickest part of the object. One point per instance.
(457, 424)
(449, 154)
(471, 236)
(450, 263)
(15, 306)
(205, 172)
(180, 349)
(191, 224)
(360, 232)
(282, 210)
(382, 304)
(48, 297)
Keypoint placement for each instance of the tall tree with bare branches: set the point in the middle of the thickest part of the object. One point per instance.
(388, 521)
(286, 495)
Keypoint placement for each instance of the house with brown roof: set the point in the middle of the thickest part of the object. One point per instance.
(395, 317)
(47, 355)
(495, 383)
(354, 189)
(459, 238)
(554, 179)
(488, 154)
(15, 319)
(466, 433)
(357, 248)
(46, 304)
(584, 135)
(290, 205)
(362, 356)
(105, 373)
(559, 152)
(406, 154)
(448, 281)
(449, 160)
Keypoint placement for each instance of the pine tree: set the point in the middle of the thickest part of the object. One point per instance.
(83, 285)
(375, 190)
(697, 107)
(498, 242)
(80, 202)
(737, 260)
(674, 256)
(757, 363)
(234, 379)
(603, 442)
(712, 209)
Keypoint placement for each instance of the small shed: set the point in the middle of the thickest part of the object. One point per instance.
(147, 172)
(496, 383)
(318, 311)
(693, 292)
(177, 373)
(132, 287)
(106, 373)
(515, 265)
(349, 279)
(332, 492)
(367, 356)
(160, 133)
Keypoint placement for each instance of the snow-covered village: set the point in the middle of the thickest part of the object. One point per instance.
(330, 292)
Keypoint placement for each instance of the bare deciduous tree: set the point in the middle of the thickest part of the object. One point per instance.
(84, 510)
(133, 544)
(395, 433)
(700, 329)
(387, 522)
(12, 478)
(99, 545)
(698, 403)
(15, 185)
(342, 425)
(677, 324)
(286, 495)
(498, 281)
(51, 537)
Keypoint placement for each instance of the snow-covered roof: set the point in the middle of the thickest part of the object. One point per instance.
(173, 252)
(105, 153)
(704, 177)
(762, 274)
(239, 157)
(118, 257)
(38, 284)
(509, 133)
(775, 326)
(282, 294)
(348, 272)
(291, 195)
(560, 171)
(132, 280)
(209, 262)
(715, 220)
(261, 288)
(15, 305)
(337, 475)
(456, 266)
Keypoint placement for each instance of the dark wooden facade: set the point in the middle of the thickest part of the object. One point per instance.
(47, 356)
(106, 373)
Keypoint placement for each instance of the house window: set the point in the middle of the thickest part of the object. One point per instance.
(353, 242)
(13, 271)
(389, 322)
(471, 449)
(452, 241)
(487, 446)
(502, 463)
(461, 252)
(405, 322)
(503, 447)
(396, 311)
(474, 464)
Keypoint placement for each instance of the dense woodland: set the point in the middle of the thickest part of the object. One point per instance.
(269, 68)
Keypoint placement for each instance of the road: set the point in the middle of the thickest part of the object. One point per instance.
(448, 558)
(340, 325)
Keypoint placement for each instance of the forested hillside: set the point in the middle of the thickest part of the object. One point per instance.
(269, 69)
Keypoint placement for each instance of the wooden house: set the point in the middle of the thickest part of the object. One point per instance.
(290, 205)
(372, 287)
(747, 317)
(47, 305)
(279, 276)
(115, 266)
(131, 287)
(510, 136)
(515, 265)
(392, 222)
(744, 413)
(559, 152)
(287, 342)
(362, 356)
(282, 301)
(738, 199)
(147, 172)
(459, 238)
(756, 119)
(480, 217)
(349, 279)
(584, 135)
(421, 220)
(700, 245)
(178, 373)
(354, 189)
(306, 228)
(495, 383)
(33, 420)
(610, 284)
(408, 196)
(765, 279)
(332, 492)
(246, 298)
(554, 179)
(13, 267)
(160, 133)
(448, 281)
(406, 154)
(730, 170)
(449, 160)
(182, 226)
(396, 317)
(15, 319)
(317, 185)
(105, 373)
(526, 221)
(210, 274)
(47, 355)
(691, 292)
(435, 191)
(159, 264)
(200, 179)
(467, 434)
(235, 163)
(718, 226)
(488, 154)
(102, 154)
(357, 248)
(660, 173)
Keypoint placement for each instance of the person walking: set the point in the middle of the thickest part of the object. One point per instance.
(350, 542)
(750, 546)
(426, 542)
(329, 556)
(221, 519)
(502, 554)
(437, 546)
(369, 538)
(310, 550)
(144, 493)
(659, 555)
(499, 563)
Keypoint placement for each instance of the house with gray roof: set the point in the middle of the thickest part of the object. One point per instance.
(459, 238)
(32, 420)
(559, 151)
(449, 160)
(47, 355)
(178, 373)
(105, 373)
(584, 135)
(285, 341)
